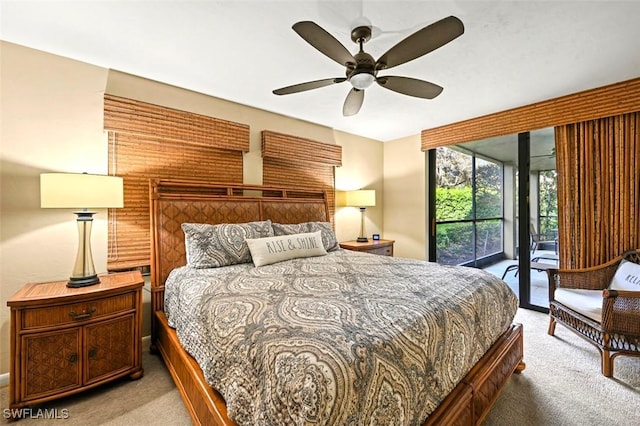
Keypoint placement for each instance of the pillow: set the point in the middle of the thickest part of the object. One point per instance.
(265, 251)
(627, 277)
(212, 246)
(329, 239)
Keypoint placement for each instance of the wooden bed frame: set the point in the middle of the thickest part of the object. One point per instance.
(173, 202)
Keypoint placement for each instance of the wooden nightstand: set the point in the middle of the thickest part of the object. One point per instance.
(382, 247)
(65, 340)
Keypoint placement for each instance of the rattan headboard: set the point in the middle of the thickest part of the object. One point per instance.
(173, 202)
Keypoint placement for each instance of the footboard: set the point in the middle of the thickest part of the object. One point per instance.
(471, 401)
(468, 404)
(204, 404)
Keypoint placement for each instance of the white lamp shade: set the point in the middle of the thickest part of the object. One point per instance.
(80, 190)
(361, 198)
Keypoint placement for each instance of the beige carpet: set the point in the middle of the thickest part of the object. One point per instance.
(561, 385)
(151, 400)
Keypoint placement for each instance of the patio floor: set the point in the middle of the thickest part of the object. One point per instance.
(539, 282)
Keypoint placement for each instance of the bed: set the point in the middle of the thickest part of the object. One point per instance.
(369, 347)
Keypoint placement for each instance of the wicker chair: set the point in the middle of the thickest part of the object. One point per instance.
(618, 331)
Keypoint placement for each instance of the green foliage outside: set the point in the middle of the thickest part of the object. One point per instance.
(457, 203)
(454, 242)
(454, 201)
(548, 201)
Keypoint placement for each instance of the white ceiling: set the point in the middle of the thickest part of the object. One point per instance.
(505, 149)
(512, 53)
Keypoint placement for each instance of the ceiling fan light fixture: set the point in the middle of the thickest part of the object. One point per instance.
(362, 69)
(362, 80)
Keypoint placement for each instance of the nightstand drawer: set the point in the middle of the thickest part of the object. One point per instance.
(379, 247)
(383, 251)
(63, 314)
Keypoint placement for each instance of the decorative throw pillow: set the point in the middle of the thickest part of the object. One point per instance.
(627, 277)
(212, 246)
(329, 239)
(265, 251)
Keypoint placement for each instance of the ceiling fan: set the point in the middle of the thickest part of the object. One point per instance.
(362, 70)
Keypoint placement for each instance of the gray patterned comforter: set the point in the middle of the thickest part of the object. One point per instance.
(343, 339)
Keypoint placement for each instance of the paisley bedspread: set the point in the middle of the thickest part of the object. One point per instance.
(344, 339)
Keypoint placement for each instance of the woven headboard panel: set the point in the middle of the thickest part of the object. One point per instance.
(174, 202)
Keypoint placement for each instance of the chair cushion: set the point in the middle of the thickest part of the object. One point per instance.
(627, 277)
(586, 302)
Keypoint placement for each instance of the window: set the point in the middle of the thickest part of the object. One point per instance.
(469, 192)
(548, 203)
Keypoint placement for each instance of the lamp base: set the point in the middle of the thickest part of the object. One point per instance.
(84, 273)
(83, 281)
(362, 237)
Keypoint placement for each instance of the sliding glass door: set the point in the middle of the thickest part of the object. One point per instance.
(484, 199)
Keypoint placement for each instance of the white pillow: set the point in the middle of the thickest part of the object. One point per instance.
(627, 277)
(265, 251)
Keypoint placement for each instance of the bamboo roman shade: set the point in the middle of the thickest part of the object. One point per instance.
(598, 189)
(150, 141)
(291, 160)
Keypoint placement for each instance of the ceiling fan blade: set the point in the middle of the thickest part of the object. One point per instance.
(323, 41)
(353, 102)
(302, 87)
(422, 42)
(410, 86)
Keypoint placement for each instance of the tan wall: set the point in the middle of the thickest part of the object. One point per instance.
(52, 111)
(51, 121)
(405, 196)
(362, 168)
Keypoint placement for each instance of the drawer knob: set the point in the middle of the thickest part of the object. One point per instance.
(74, 316)
(92, 353)
(73, 358)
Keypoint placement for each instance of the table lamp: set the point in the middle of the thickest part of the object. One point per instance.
(81, 191)
(361, 198)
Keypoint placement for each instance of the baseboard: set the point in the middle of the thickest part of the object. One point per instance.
(146, 341)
